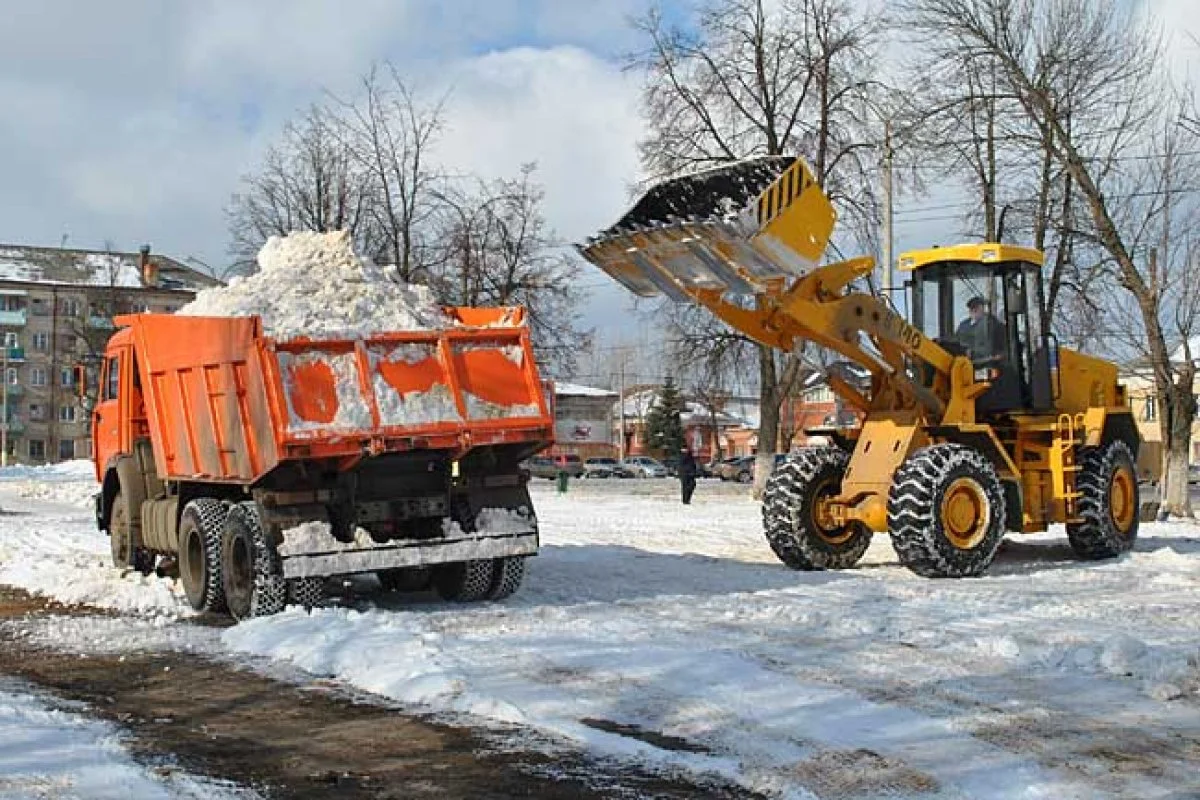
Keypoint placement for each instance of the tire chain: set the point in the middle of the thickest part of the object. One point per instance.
(211, 515)
(1097, 537)
(913, 517)
(269, 595)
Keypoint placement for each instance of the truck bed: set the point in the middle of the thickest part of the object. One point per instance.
(226, 403)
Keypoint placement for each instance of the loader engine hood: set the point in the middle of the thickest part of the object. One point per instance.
(735, 228)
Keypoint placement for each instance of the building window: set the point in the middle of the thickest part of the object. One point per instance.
(39, 307)
(66, 449)
(68, 308)
(66, 413)
(41, 341)
(67, 376)
(12, 340)
(37, 450)
(10, 303)
(37, 412)
(1150, 409)
(37, 376)
(170, 309)
(11, 377)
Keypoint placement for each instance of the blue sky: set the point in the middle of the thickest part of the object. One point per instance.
(132, 120)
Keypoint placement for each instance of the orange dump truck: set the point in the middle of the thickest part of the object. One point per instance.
(262, 467)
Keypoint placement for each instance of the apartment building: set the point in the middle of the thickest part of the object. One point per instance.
(56, 310)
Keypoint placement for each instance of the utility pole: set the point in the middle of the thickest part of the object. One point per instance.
(621, 411)
(4, 419)
(888, 255)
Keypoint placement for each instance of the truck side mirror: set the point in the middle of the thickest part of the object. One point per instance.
(81, 384)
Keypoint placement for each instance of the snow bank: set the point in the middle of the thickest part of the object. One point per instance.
(314, 285)
(51, 753)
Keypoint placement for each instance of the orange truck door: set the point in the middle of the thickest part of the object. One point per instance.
(106, 419)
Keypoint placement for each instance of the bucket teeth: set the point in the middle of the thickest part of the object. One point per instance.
(732, 228)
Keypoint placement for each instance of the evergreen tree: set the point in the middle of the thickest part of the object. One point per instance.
(664, 427)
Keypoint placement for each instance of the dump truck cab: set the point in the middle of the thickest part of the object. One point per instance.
(985, 301)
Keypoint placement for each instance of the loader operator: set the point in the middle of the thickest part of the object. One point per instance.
(981, 334)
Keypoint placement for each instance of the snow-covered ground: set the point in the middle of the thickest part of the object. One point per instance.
(47, 751)
(671, 635)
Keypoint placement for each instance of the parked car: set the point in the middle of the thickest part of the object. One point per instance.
(605, 468)
(644, 467)
(740, 469)
(549, 466)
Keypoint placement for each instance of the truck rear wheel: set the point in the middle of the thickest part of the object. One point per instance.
(1108, 502)
(464, 582)
(200, 553)
(509, 572)
(306, 592)
(946, 512)
(795, 529)
(251, 568)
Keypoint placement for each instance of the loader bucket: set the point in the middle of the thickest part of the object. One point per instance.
(736, 228)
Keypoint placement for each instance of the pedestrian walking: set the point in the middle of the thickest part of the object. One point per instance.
(687, 475)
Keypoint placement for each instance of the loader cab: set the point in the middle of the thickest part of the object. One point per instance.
(985, 301)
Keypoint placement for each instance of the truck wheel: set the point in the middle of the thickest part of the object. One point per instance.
(509, 572)
(464, 582)
(946, 512)
(120, 540)
(1108, 502)
(797, 534)
(251, 569)
(405, 579)
(200, 553)
(306, 592)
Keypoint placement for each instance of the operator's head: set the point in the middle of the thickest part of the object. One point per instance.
(977, 306)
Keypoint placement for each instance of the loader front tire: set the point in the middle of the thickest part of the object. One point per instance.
(791, 519)
(1108, 502)
(200, 553)
(251, 568)
(946, 512)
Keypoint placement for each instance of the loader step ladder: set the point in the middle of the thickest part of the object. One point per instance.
(1064, 467)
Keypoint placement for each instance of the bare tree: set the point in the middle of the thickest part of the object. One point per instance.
(1092, 74)
(757, 78)
(498, 250)
(308, 181)
(390, 132)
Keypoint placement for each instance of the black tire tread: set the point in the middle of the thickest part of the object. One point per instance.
(208, 515)
(509, 572)
(913, 512)
(269, 594)
(786, 514)
(1097, 537)
(466, 581)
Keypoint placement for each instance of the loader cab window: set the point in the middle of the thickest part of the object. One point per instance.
(991, 313)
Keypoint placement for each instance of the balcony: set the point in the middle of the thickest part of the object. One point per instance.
(15, 390)
(15, 426)
(13, 319)
(100, 323)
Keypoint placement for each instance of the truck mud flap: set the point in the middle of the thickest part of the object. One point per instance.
(393, 555)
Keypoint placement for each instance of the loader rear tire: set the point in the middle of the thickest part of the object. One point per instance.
(120, 540)
(1108, 502)
(464, 582)
(790, 518)
(946, 512)
(200, 553)
(509, 573)
(251, 568)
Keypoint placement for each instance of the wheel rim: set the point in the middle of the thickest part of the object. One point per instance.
(192, 568)
(825, 527)
(119, 533)
(1122, 504)
(239, 569)
(965, 513)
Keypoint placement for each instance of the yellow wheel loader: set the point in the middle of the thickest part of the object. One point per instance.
(975, 421)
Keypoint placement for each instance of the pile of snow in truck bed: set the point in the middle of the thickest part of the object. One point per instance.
(315, 285)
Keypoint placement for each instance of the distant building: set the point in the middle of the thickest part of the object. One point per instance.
(56, 310)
